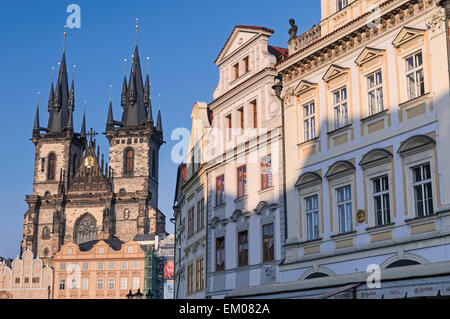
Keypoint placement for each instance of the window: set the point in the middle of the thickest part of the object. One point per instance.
(69, 251)
(229, 126)
(414, 76)
(220, 190)
(17, 281)
(124, 265)
(268, 243)
(112, 265)
(73, 284)
(242, 181)
(129, 159)
(255, 114)
(123, 283)
(341, 4)
(375, 92)
(309, 121)
(130, 250)
(46, 233)
(312, 217)
(344, 205)
(35, 280)
(100, 282)
(246, 64)
(200, 275)
(85, 229)
(75, 267)
(136, 282)
(266, 172)
(243, 248)
(85, 284)
(381, 203)
(62, 284)
(241, 118)
(100, 265)
(51, 173)
(136, 265)
(26, 280)
(85, 266)
(220, 254)
(190, 279)
(62, 266)
(191, 222)
(200, 214)
(423, 193)
(111, 283)
(340, 108)
(101, 250)
(236, 71)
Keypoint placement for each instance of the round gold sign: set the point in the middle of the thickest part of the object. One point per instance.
(361, 216)
(89, 162)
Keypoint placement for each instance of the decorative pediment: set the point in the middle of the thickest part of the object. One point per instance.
(216, 220)
(240, 36)
(308, 179)
(407, 34)
(339, 169)
(262, 205)
(334, 71)
(237, 213)
(304, 86)
(367, 55)
(416, 143)
(376, 157)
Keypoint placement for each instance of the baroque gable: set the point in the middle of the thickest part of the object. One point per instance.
(304, 86)
(407, 34)
(368, 54)
(334, 71)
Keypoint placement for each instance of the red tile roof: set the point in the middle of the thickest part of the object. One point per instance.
(279, 53)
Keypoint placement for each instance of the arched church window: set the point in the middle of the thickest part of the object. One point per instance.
(51, 166)
(85, 229)
(129, 161)
(46, 233)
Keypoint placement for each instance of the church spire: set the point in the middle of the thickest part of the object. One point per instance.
(159, 122)
(83, 123)
(36, 127)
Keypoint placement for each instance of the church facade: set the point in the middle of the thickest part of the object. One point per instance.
(77, 196)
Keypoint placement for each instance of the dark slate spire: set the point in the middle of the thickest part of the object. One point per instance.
(148, 101)
(71, 103)
(59, 109)
(51, 97)
(83, 126)
(36, 127)
(134, 113)
(124, 92)
(110, 120)
(159, 123)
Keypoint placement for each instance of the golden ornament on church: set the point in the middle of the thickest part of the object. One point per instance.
(89, 162)
(361, 216)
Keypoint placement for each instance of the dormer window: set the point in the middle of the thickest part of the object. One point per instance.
(236, 71)
(341, 4)
(246, 64)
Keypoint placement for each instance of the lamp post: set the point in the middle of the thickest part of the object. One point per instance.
(149, 294)
(138, 294)
(278, 88)
(130, 295)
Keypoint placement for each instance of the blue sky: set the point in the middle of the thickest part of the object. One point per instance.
(182, 39)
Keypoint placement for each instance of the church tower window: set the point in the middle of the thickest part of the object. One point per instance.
(129, 161)
(85, 229)
(46, 233)
(51, 166)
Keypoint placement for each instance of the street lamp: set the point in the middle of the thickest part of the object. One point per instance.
(138, 294)
(130, 295)
(149, 294)
(278, 88)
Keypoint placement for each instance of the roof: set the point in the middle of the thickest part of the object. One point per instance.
(114, 243)
(242, 27)
(399, 273)
(144, 237)
(279, 53)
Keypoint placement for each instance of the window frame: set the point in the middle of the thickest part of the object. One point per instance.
(200, 214)
(241, 180)
(128, 163)
(220, 254)
(310, 118)
(344, 203)
(414, 71)
(341, 4)
(422, 183)
(386, 212)
(220, 187)
(268, 256)
(314, 211)
(379, 100)
(243, 249)
(337, 121)
(266, 182)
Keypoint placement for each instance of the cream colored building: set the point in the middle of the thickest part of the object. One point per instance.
(366, 95)
(26, 278)
(246, 226)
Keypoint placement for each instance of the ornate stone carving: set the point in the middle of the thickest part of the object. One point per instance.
(436, 21)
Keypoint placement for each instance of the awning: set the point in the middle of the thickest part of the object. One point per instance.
(339, 291)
